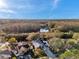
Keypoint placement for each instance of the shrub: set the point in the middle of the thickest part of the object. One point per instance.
(12, 40)
(70, 54)
(67, 35)
(38, 52)
(71, 41)
(76, 36)
(56, 43)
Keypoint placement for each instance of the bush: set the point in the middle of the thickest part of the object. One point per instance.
(71, 41)
(39, 53)
(51, 25)
(75, 36)
(67, 35)
(56, 43)
(33, 36)
(12, 40)
(70, 54)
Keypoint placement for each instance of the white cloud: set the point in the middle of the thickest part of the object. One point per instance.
(17, 7)
(29, 7)
(3, 4)
(4, 7)
(7, 11)
(55, 3)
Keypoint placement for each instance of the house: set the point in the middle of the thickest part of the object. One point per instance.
(44, 29)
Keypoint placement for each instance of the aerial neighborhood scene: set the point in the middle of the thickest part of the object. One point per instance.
(39, 29)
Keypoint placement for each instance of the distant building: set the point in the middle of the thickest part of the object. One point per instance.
(44, 29)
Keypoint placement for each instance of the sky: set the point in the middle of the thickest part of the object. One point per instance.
(39, 9)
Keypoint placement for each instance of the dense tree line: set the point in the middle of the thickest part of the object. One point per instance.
(21, 28)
